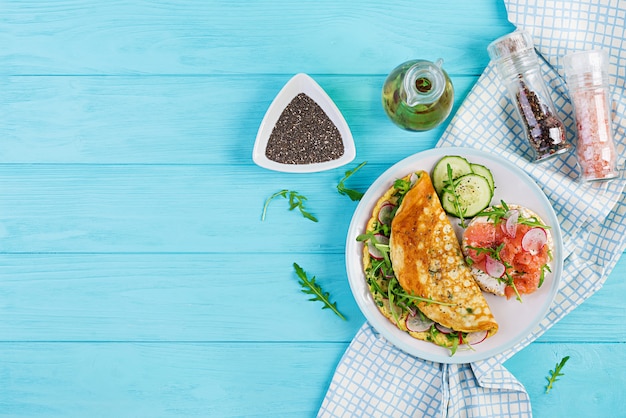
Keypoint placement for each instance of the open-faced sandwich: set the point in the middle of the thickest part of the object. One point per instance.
(416, 271)
(509, 248)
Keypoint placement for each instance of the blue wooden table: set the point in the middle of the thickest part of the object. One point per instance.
(136, 276)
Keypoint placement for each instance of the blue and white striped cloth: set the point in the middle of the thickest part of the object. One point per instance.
(374, 378)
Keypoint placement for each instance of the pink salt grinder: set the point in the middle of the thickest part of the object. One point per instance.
(588, 84)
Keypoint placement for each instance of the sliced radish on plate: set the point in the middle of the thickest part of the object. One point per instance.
(512, 217)
(384, 216)
(494, 267)
(418, 323)
(443, 329)
(387, 274)
(534, 240)
(371, 246)
(476, 337)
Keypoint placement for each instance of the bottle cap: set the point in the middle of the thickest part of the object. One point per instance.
(514, 43)
(586, 62)
(424, 82)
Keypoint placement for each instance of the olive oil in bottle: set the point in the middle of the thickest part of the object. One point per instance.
(418, 95)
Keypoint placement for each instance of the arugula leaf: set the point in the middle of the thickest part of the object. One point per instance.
(495, 254)
(497, 213)
(370, 239)
(545, 268)
(450, 188)
(403, 186)
(556, 373)
(428, 301)
(392, 304)
(455, 344)
(342, 189)
(296, 200)
(311, 288)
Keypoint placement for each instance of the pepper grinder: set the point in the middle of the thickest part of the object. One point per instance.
(517, 65)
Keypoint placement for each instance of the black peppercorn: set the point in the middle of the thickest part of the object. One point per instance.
(545, 131)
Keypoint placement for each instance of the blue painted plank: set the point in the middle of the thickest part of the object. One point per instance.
(181, 120)
(132, 251)
(172, 297)
(592, 385)
(216, 297)
(173, 208)
(178, 208)
(200, 37)
(164, 380)
(234, 380)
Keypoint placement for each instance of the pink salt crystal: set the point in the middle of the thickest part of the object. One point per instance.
(588, 82)
(595, 148)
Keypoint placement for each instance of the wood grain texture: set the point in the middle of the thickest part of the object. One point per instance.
(590, 387)
(200, 37)
(136, 275)
(164, 380)
(145, 120)
(251, 380)
(215, 298)
(172, 297)
(95, 208)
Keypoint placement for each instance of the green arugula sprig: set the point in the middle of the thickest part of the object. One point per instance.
(448, 186)
(556, 373)
(395, 292)
(311, 288)
(406, 299)
(545, 268)
(403, 187)
(497, 213)
(370, 239)
(296, 200)
(456, 338)
(495, 254)
(342, 189)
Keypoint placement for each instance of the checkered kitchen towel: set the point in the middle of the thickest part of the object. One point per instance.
(376, 379)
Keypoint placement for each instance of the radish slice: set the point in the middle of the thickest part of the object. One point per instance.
(375, 252)
(415, 323)
(443, 329)
(511, 222)
(477, 337)
(384, 216)
(387, 274)
(413, 179)
(381, 239)
(494, 267)
(534, 240)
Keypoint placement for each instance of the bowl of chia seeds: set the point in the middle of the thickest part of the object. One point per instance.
(303, 131)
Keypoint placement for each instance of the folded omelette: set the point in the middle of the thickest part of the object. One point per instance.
(416, 271)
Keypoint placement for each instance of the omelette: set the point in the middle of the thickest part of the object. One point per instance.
(416, 271)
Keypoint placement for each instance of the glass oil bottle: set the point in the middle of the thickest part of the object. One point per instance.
(418, 95)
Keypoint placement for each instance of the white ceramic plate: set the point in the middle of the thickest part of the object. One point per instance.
(301, 83)
(516, 320)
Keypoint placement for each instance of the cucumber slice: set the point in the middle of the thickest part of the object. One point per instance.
(485, 172)
(474, 194)
(459, 165)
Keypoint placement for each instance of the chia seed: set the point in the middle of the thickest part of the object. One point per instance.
(304, 134)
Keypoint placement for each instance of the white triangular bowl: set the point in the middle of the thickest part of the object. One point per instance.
(301, 83)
